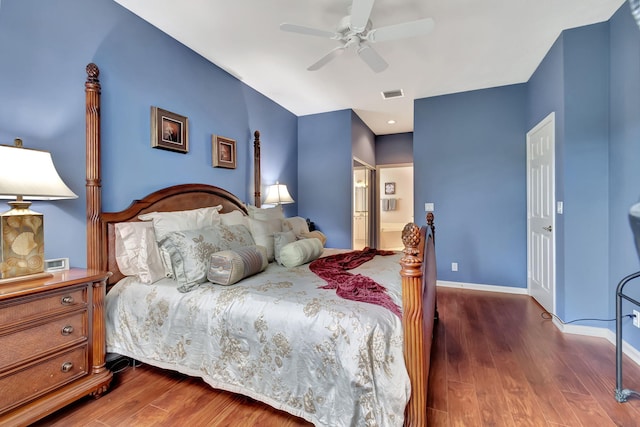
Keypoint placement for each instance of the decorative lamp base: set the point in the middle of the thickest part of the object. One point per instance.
(21, 244)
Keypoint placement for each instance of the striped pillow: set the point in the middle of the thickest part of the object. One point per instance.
(231, 266)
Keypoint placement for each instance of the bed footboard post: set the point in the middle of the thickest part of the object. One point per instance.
(412, 323)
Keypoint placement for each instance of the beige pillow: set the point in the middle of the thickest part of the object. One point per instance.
(314, 234)
(263, 231)
(300, 252)
(231, 266)
(297, 224)
(137, 251)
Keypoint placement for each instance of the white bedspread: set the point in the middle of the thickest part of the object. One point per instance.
(274, 337)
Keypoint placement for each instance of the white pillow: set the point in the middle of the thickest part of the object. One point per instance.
(297, 224)
(169, 222)
(262, 232)
(137, 251)
(280, 240)
(234, 218)
(265, 214)
(300, 252)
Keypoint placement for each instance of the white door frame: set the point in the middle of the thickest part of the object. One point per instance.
(531, 259)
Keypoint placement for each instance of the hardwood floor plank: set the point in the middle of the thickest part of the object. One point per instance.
(463, 405)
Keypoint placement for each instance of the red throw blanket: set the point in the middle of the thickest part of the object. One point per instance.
(355, 287)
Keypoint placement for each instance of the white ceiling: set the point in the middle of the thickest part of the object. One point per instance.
(475, 44)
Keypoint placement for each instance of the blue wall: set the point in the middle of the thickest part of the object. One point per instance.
(624, 157)
(469, 154)
(363, 141)
(394, 148)
(42, 91)
(324, 174)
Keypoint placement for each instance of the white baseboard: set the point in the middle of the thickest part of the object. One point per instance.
(486, 288)
(592, 331)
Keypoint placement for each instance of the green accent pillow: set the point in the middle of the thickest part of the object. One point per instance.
(300, 252)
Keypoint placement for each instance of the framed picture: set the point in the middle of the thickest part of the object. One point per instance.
(389, 188)
(169, 131)
(223, 152)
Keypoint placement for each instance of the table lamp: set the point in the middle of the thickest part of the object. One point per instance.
(25, 174)
(277, 194)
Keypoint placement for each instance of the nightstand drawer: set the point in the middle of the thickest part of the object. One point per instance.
(42, 338)
(42, 305)
(19, 387)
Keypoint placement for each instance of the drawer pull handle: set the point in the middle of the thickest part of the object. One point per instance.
(67, 300)
(67, 366)
(67, 330)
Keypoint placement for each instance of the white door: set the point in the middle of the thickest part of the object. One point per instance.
(541, 212)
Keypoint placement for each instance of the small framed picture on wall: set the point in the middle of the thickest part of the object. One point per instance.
(389, 188)
(223, 152)
(169, 131)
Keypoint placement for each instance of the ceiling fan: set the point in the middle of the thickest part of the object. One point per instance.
(355, 30)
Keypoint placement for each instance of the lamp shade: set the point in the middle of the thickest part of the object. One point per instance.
(30, 174)
(278, 194)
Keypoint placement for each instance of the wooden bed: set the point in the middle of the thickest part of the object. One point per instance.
(417, 266)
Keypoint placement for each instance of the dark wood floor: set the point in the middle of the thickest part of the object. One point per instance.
(495, 362)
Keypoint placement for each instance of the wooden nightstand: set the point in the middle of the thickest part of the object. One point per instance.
(52, 344)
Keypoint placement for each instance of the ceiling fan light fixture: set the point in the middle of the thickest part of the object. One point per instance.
(390, 94)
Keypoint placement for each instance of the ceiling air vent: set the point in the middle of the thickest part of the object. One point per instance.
(392, 94)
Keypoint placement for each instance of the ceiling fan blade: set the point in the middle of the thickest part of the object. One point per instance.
(420, 27)
(325, 59)
(372, 58)
(301, 29)
(360, 12)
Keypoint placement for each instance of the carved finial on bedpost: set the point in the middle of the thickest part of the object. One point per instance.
(411, 240)
(256, 168)
(430, 219)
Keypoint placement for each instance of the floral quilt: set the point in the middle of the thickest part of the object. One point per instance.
(276, 337)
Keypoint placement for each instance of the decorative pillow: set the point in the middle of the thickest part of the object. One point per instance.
(137, 251)
(314, 234)
(234, 218)
(168, 222)
(265, 214)
(189, 252)
(229, 267)
(280, 240)
(262, 232)
(300, 252)
(297, 224)
(232, 236)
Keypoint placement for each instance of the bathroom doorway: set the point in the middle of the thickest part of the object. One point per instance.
(395, 187)
(364, 184)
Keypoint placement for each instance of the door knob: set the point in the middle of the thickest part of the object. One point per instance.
(547, 229)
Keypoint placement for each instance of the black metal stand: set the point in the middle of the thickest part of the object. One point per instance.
(622, 394)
